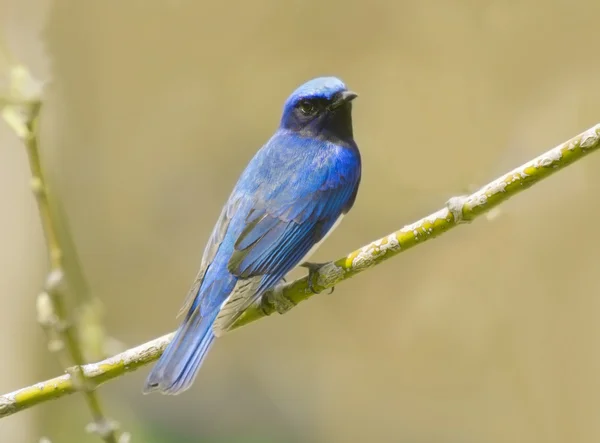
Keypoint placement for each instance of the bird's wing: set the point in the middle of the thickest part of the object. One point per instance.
(281, 228)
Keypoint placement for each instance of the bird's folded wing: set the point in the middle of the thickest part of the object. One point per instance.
(274, 240)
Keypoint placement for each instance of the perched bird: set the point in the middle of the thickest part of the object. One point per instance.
(292, 194)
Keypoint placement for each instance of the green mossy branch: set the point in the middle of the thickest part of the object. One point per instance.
(458, 210)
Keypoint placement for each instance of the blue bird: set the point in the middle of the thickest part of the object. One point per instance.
(291, 195)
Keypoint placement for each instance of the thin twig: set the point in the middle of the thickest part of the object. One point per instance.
(458, 210)
(21, 111)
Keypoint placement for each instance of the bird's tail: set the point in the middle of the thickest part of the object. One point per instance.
(176, 370)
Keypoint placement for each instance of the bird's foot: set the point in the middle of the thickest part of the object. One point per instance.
(280, 302)
(313, 268)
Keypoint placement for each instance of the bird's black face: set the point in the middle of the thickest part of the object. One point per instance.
(321, 116)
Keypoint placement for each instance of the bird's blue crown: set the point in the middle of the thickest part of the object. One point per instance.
(320, 87)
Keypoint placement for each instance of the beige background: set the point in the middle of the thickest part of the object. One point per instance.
(489, 334)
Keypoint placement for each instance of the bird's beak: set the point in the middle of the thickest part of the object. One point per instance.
(348, 96)
(343, 97)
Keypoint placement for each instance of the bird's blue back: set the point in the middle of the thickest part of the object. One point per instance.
(297, 187)
(286, 200)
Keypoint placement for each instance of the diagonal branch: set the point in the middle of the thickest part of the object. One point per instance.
(458, 210)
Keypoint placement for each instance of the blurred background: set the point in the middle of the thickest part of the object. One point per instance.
(153, 108)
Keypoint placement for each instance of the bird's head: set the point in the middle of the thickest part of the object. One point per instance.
(320, 108)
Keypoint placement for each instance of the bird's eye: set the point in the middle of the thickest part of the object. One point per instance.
(307, 108)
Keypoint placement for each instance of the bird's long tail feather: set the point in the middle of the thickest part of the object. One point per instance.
(176, 370)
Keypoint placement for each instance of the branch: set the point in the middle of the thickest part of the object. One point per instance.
(21, 110)
(458, 210)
